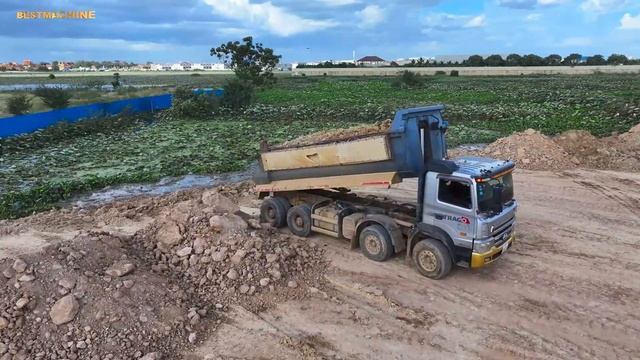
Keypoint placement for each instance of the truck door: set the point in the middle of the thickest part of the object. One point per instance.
(448, 205)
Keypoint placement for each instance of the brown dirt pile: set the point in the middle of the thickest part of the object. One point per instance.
(153, 294)
(379, 127)
(530, 150)
(576, 148)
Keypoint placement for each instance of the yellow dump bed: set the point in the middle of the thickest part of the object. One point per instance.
(369, 149)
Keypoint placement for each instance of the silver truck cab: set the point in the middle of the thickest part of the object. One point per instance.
(461, 208)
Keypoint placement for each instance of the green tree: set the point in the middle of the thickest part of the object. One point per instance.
(553, 60)
(250, 62)
(596, 60)
(617, 59)
(475, 60)
(532, 60)
(116, 81)
(572, 59)
(514, 60)
(18, 104)
(55, 98)
(494, 60)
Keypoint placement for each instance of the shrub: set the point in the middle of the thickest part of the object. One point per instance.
(186, 104)
(195, 74)
(19, 104)
(454, 73)
(182, 93)
(408, 79)
(55, 98)
(116, 80)
(441, 72)
(51, 76)
(238, 94)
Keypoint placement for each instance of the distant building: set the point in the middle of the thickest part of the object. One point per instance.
(65, 66)
(27, 63)
(212, 67)
(371, 61)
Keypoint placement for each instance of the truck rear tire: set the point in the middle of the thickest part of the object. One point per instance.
(299, 220)
(375, 243)
(432, 259)
(273, 212)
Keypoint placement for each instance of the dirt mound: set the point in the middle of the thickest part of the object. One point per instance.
(575, 148)
(530, 150)
(154, 293)
(379, 127)
(620, 152)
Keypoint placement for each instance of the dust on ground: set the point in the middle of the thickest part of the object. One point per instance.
(533, 150)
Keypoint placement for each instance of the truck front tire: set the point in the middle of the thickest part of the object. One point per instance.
(274, 212)
(299, 220)
(375, 243)
(432, 259)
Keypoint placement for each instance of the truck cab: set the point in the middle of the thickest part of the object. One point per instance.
(469, 209)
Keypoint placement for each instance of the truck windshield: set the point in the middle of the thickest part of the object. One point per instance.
(485, 190)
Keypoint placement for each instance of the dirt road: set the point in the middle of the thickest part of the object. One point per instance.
(568, 289)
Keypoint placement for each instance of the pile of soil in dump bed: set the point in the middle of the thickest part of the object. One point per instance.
(336, 135)
(154, 294)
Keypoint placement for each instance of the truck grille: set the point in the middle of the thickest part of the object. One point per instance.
(503, 235)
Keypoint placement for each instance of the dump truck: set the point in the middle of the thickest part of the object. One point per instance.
(463, 213)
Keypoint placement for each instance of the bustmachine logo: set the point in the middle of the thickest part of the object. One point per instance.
(56, 15)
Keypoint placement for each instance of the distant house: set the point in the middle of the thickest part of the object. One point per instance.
(212, 67)
(371, 61)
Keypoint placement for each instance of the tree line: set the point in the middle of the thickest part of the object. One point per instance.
(574, 59)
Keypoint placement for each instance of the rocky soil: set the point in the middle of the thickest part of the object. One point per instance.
(151, 294)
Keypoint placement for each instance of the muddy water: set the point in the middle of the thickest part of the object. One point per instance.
(165, 186)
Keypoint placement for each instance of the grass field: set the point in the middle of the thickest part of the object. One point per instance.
(38, 170)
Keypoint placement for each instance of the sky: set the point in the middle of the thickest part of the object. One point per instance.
(167, 31)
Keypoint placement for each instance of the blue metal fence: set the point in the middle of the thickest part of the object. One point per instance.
(24, 124)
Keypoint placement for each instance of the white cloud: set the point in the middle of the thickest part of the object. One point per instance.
(339, 2)
(443, 21)
(268, 16)
(602, 6)
(533, 17)
(529, 4)
(370, 16)
(476, 21)
(576, 41)
(629, 22)
(550, 2)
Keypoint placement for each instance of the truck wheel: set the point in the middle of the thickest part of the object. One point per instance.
(273, 212)
(375, 243)
(285, 205)
(299, 220)
(432, 259)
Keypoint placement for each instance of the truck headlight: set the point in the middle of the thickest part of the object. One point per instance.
(482, 247)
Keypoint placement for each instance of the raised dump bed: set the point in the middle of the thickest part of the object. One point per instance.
(415, 136)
